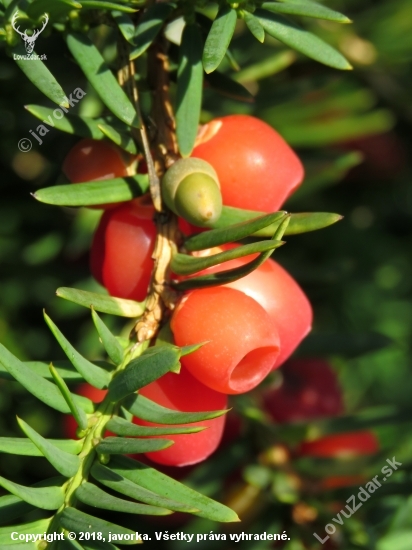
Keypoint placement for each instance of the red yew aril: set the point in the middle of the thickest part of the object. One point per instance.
(257, 169)
(279, 294)
(121, 253)
(241, 342)
(286, 303)
(184, 393)
(344, 445)
(309, 390)
(96, 160)
(189, 229)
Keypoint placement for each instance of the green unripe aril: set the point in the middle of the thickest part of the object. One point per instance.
(191, 189)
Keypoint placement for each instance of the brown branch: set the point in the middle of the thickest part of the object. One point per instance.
(165, 152)
(163, 146)
(126, 77)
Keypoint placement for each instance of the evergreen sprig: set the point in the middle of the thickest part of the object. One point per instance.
(80, 462)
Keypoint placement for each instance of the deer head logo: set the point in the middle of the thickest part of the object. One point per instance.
(29, 41)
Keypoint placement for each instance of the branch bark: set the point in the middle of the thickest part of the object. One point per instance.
(161, 152)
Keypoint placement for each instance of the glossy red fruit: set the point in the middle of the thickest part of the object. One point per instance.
(186, 394)
(95, 160)
(280, 295)
(242, 344)
(189, 229)
(309, 389)
(86, 390)
(121, 253)
(344, 445)
(257, 169)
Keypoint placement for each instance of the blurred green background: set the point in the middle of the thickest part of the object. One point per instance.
(353, 132)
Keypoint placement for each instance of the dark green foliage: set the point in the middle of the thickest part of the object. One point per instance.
(149, 27)
(151, 365)
(219, 38)
(127, 445)
(111, 345)
(22, 446)
(102, 79)
(46, 498)
(254, 26)
(233, 232)
(63, 455)
(148, 410)
(54, 8)
(33, 528)
(78, 413)
(93, 496)
(189, 89)
(37, 385)
(214, 279)
(123, 140)
(305, 9)
(93, 374)
(41, 77)
(144, 475)
(116, 190)
(72, 124)
(183, 264)
(120, 426)
(114, 479)
(100, 302)
(65, 463)
(298, 223)
(301, 40)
